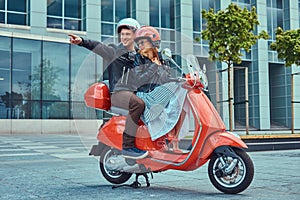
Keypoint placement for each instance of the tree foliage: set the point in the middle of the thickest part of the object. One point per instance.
(287, 45)
(229, 31)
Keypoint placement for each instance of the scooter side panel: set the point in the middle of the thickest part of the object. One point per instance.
(111, 132)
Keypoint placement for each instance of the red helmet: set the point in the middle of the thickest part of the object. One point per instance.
(149, 33)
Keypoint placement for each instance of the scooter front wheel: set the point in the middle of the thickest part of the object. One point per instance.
(115, 177)
(231, 175)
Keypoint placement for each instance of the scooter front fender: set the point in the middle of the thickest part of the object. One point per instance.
(220, 139)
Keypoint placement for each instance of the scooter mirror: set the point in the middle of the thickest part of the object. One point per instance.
(166, 54)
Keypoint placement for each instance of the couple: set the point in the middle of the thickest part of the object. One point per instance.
(140, 81)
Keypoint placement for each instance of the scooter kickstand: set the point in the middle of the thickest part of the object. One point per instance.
(136, 183)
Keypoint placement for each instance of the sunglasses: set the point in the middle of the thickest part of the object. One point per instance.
(141, 42)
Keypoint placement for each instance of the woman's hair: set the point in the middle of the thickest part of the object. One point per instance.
(153, 51)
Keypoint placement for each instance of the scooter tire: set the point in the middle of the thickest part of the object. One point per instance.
(112, 177)
(226, 183)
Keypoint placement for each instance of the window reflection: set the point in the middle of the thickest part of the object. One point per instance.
(154, 13)
(55, 110)
(26, 68)
(14, 13)
(5, 91)
(167, 14)
(55, 71)
(73, 8)
(35, 85)
(122, 9)
(2, 5)
(54, 7)
(83, 71)
(107, 29)
(112, 11)
(64, 14)
(14, 6)
(18, 19)
(107, 10)
(162, 13)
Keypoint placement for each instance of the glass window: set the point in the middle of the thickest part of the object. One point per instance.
(55, 80)
(26, 79)
(14, 13)
(167, 14)
(112, 11)
(274, 17)
(154, 13)
(199, 23)
(2, 4)
(107, 10)
(26, 74)
(72, 24)
(275, 4)
(29, 110)
(5, 78)
(2, 17)
(65, 14)
(107, 29)
(84, 67)
(162, 13)
(16, 5)
(54, 8)
(73, 8)
(55, 110)
(196, 15)
(18, 19)
(55, 71)
(54, 22)
(83, 71)
(122, 9)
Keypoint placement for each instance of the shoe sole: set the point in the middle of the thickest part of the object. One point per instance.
(136, 158)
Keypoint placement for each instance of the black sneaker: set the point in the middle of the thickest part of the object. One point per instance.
(134, 153)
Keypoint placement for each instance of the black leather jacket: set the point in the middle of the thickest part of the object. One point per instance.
(116, 57)
(145, 76)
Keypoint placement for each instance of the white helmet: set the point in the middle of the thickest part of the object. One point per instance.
(128, 23)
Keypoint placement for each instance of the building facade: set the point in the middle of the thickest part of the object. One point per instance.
(43, 77)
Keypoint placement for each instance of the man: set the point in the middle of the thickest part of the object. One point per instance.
(121, 59)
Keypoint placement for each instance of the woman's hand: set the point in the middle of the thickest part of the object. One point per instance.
(74, 39)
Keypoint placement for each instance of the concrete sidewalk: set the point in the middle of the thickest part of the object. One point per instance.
(58, 167)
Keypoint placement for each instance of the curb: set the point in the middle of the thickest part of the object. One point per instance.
(264, 142)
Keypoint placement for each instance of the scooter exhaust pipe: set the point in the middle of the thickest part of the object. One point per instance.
(118, 163)
(132, 169)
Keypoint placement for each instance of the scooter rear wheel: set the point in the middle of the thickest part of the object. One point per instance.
(115, 177)
(237, 179)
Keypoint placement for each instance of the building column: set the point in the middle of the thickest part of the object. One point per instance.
(260, 59)
(184, 35)
(93, 19)
(294, 25)
(142, 12)
(38, 17)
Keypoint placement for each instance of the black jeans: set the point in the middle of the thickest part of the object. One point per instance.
(136, 106)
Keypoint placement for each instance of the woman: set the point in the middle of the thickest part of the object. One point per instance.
(163, 97)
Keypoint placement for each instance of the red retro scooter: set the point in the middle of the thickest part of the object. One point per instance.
(230, 169)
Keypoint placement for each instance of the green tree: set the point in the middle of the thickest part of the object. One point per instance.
(287, 45)
(229, 31)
